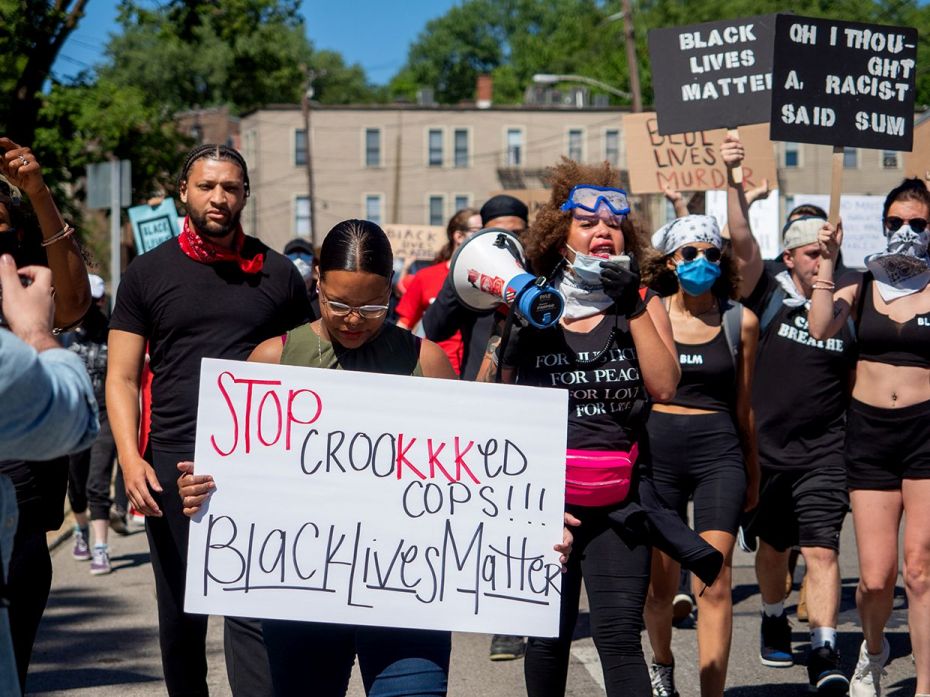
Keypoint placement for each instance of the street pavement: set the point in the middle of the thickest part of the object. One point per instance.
(99, 638)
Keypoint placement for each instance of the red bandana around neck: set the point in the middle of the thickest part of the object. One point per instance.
(206, 251)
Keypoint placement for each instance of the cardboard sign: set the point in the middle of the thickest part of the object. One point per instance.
(152, 225)
(862, 224)
(712, 75)
(411, 242)
(763, 219)
(843, 83)
(381, 500)
(917, 161)
(691, 161)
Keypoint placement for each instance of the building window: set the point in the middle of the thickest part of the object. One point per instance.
(302, 226)
(792, 155)
(300, 147)
(889, 159)
(461, 147)
(574, 145)
(372, 147)
(514, 147)
(612, 146)
(461, 201)
(437, 214)
(373, 208)
(435, 147)
(850, 158)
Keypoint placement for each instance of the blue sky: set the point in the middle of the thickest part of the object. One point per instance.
(374, 33)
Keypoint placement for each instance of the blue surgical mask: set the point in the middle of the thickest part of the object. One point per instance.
(587, 268)
(697, 276)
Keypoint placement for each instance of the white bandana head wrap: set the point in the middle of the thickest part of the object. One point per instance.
(686, 230)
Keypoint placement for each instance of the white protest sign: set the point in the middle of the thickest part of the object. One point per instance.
(375, 499)
(862, 224)
(763, 219)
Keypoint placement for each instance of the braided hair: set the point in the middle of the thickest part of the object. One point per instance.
(214, 151)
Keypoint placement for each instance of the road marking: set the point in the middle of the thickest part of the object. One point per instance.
(588, 657)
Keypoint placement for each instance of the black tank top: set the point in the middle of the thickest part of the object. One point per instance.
(883, 340)
(708, 376)
(599, 369)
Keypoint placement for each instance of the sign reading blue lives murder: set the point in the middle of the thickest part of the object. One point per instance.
(712, 75)
(843, 83)
(152, 225)
(385, 500)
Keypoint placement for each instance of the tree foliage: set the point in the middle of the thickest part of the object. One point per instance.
(514, 39)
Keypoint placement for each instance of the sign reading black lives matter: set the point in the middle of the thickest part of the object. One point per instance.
(712, 75)
(843, 83)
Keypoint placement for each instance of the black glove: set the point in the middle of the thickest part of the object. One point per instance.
(623, 287)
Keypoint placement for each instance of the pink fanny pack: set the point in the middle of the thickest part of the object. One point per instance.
(598, 477)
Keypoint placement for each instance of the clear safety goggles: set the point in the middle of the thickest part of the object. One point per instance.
(588, 198)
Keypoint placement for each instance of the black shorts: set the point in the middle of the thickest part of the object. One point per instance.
(699, 456)
(805, 508)
(886, 446)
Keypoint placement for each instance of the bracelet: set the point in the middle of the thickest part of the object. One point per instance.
(823, 285)
(62, 234)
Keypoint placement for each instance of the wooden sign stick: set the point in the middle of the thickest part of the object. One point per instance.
(836, 184)
(736, 172)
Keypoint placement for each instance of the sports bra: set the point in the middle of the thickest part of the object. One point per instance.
(883, 340)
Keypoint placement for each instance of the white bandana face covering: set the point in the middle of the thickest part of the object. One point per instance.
(581, 299)
(903, 268)
(793, 297)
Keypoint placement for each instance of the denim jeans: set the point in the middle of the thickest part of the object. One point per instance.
(317, 658)
(9, 683)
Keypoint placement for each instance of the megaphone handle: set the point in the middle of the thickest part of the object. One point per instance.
(502, 346)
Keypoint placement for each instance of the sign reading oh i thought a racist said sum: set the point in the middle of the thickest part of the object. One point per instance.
(843, 83)
(712, 75)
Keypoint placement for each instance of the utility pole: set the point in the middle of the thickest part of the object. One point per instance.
(632, 64)
(305, 104)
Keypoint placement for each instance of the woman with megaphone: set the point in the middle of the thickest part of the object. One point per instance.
(703, 442)
(613, 351)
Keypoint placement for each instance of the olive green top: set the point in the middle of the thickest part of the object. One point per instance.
(394, 351)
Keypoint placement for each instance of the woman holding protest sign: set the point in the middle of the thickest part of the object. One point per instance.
(355, 270)
(888, 430)
(585, 241)
(703, 441)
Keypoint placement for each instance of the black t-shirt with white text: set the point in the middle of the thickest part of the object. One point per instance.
(188, 311)
(801, 387)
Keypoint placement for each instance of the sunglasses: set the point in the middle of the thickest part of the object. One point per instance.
(364, 311)
(588, 198)
(690, 253)
(893, 223)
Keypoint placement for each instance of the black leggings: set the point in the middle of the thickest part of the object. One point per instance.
(182, 635)
(90, 472)
(616, 578)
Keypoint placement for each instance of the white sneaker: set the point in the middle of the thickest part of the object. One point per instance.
(867, 677)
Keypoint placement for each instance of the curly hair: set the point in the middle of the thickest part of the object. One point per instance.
(546, 237)
(655, 274)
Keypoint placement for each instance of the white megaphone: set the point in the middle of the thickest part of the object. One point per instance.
(488, 270)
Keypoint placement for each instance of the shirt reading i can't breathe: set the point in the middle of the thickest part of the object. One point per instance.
(801, 387)
(188, 311)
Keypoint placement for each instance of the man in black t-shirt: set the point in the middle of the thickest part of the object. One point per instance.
(800, 393)
(212, 292)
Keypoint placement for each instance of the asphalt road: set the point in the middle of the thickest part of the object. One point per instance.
(99, 638)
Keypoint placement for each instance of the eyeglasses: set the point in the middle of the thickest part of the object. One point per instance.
(894, 223)
(589, 197)
(364, 311)
(690, 253)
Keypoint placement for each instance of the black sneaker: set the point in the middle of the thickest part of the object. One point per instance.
(118, 520)
(507, 648)
(775, 643)
(824, 673)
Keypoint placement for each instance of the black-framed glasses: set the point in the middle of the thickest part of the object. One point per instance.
(690, 253)
(364, 311)
(893, 223)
